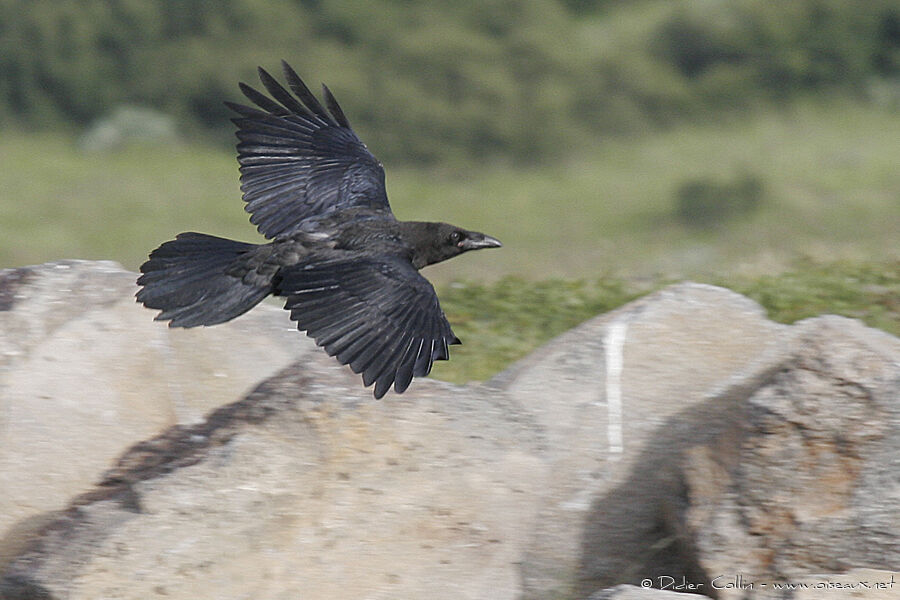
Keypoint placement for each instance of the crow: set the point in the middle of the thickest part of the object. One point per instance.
(346, 267)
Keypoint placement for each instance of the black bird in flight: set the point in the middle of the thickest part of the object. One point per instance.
(348, 269)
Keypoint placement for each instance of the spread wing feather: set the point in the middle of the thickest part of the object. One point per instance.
(376, 314)
(299, 160)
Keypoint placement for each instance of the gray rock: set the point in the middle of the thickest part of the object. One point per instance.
(129, 125)
(632, 592)
(307, 488)
(617, 397)
(490, 493)
(85, 372)
(621, 451)
(808, 480)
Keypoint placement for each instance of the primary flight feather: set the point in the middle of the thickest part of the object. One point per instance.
(348, 269)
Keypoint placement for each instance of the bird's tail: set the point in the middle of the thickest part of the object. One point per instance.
(188, 280)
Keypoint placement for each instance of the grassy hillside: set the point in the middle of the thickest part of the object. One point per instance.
(829, 181)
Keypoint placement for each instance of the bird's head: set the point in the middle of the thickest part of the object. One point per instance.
(436, 242)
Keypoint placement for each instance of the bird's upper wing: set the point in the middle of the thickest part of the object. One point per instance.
(376, 314)
(299, 160)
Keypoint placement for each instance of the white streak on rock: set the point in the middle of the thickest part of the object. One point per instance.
(613, 344)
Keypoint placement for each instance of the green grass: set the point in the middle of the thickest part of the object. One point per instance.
(503, 321)
(866, 291)
(580, 237)
(830, 175)
(57, 202)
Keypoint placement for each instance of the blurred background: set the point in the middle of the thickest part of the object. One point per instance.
(641, 138)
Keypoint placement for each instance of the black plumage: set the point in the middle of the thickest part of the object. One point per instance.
(346, 266)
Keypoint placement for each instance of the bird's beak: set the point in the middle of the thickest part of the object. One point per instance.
(476, 241)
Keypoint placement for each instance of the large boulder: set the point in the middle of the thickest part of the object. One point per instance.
(85, 372)
(612, 455)
(791, 469)
(307, 488)
(617, 398)
(808, 479)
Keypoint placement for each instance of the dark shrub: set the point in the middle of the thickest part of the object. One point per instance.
(706, 201)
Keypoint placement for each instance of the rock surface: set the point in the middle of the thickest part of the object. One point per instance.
(85, 372)
(308, 488)
(617, 397)
(631, 592)
(808, 481)
(623, 450)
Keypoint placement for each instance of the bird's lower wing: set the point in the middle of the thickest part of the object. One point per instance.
(376, 314)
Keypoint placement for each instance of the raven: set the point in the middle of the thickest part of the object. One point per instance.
(347, 268)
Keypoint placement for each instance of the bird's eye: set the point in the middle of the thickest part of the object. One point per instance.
(455, 237)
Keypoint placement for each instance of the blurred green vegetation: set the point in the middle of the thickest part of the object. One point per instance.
(428, 81)
(707, 201)
(504, 321)
(866, 291)
(613, 146)
(830, 174)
